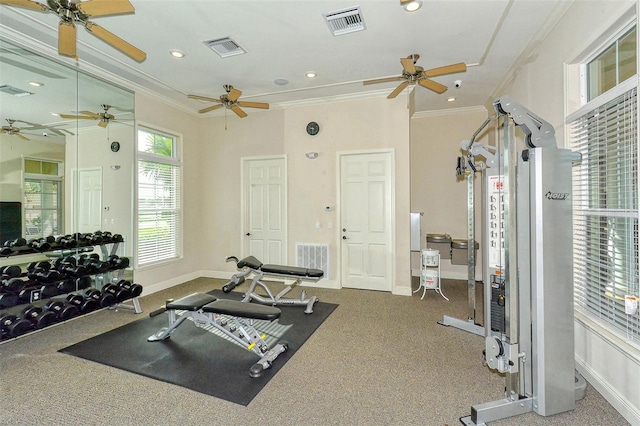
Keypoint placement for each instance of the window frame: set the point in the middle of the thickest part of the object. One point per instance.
(175, 161)
(59, 179)
(608, 326)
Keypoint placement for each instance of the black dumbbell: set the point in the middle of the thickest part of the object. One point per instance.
(118, 262)
(45, 276)
(67, 241)
(18, 242)
(120, 294)
(11, 271)
(39, 244)
(13, 326)
(12, 285)
(8, 300)
(47, 291)
(84, 304)
(134, 289)
(63, 311)
(31, 293)
(104, 299)
(38, 317)
(66, 286)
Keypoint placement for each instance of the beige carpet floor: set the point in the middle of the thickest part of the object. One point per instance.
(378, 359)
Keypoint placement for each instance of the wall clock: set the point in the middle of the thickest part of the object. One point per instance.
(115, 146)
(313, 128)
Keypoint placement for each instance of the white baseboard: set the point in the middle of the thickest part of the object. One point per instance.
(621, 404)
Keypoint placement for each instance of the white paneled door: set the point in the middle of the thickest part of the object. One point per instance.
(88, 201)
(265, 192)
(366, 220)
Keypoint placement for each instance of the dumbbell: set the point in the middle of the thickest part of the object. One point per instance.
(30, 293)
(69, 266)
(12, 285)
(93, 263)
(84, 282)
(134, 289)
(47, 291)
(11, 271)
(119, 293)
(18, 242)
(66, 286)
(44, 274)
(118, 262)
(83, 304)
(40, 244)
(63, 311)
(66, 241)
(8, 300)
(38, 317)
(104, 299)
(12, 326)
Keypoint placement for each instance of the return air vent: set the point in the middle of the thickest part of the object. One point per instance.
(225, 47)
(345, 21)
(14, 91)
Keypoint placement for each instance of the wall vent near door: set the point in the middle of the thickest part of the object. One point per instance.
(313, 256)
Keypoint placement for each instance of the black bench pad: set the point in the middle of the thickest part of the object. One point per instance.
(250, 262)
(242, 309)
(193, 302)
(293, 271)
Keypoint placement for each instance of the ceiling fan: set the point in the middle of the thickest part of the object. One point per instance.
(104, 117)
(412, 74)
(72, 12)
(230, 101)
(11, 130)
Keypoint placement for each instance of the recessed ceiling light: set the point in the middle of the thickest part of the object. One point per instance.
(36, 84)
(451, 99)
(281, 81)
(412, 6)
(176, 53)
(311, 74)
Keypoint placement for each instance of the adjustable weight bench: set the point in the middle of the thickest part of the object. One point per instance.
(251, 265)
(228, 316)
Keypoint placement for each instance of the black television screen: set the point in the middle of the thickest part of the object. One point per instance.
(10, 220)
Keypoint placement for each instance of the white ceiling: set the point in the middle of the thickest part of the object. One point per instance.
(285, 39)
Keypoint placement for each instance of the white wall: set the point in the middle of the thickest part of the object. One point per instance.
(609, 362)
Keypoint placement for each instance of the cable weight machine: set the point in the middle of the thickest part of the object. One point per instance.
(527, 266)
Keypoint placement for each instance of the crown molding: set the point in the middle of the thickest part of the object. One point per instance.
(449, 111)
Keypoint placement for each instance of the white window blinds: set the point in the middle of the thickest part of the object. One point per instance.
(606, 210)
(159, 212)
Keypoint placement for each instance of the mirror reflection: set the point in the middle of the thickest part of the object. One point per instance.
(58, 172)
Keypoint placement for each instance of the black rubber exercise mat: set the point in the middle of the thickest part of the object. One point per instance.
(195, 358)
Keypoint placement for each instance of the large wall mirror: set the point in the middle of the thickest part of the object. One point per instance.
(66, 150)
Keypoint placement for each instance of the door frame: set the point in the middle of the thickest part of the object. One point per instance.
(392, 218)
(243, 203)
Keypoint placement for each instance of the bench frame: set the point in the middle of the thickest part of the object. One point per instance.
(238, 328)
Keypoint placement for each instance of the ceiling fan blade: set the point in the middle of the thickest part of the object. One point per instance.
(67, 39)
(26, 4)
(448, 69)
(408, 65)
(115, 41)
(239, 112)
(254, 104)
(382, 80)
(203, 98)
(211, 108)
(22, 136)
(432, 85)
(77, 117)
(234, 94)
(90, 114)
(105, 7)
(399, 89)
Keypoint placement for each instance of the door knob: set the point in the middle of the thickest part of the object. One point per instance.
(248, 234)
(344, 237)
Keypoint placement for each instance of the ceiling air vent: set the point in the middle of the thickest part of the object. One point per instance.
(14, 91)
(345, 21)
(225, 47)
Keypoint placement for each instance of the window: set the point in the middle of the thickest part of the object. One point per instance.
(613, 66)
(605, 132)
(159, 202)
(42, 198)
